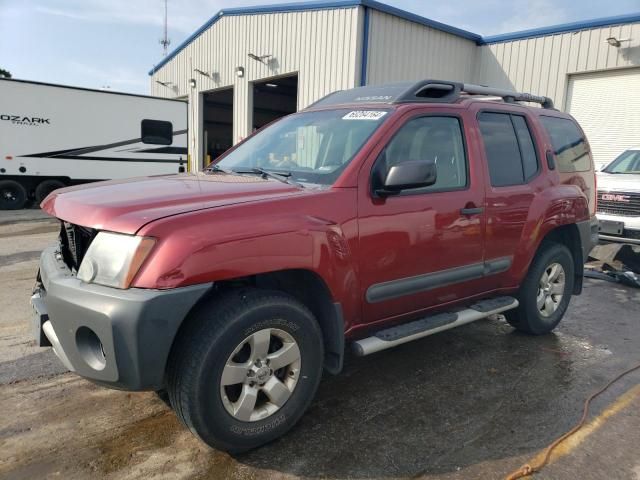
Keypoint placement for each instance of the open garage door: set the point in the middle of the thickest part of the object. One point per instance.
(607, 106)
(217, 123)
(273, 99)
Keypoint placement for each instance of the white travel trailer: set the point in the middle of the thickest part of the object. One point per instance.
(52, 136)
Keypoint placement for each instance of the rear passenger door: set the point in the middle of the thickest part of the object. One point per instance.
(513, 166)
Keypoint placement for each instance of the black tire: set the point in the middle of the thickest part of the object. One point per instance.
(164, 396)
(13, 195)
(45, 187)
(527, 317)
(200, 353)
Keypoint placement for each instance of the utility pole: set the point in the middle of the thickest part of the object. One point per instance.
(164, 41)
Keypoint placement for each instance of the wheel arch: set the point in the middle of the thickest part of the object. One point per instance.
(305, 286)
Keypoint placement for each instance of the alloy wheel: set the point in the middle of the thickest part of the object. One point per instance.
(260, 375)
(550, 289)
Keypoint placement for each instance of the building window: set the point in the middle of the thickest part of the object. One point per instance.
(569, 145)
(156, 132)
(509, 148)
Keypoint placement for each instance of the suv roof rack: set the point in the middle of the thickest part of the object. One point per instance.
(426, 91)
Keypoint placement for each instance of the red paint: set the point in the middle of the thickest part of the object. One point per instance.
(211, 229)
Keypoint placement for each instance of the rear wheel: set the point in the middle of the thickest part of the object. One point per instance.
(546, 291)
(13, 196)
(45, 187)
(245, 368)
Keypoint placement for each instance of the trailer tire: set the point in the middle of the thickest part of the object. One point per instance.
(13, 195)
(45, 187)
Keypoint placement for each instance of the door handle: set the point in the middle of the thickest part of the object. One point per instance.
(471, 211)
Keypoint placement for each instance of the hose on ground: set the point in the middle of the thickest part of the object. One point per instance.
(528, 469)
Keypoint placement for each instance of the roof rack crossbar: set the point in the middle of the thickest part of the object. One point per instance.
(507, 95)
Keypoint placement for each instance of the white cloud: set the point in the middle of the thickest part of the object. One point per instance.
(117, 78)
(532, 14)
(184, 15)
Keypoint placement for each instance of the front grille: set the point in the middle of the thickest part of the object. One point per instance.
(74, 243)
(625, 204)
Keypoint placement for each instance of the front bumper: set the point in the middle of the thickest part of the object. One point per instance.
(630, 228)
(121, 338)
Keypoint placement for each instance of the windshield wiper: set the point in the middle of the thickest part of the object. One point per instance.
(284, 177)
(216, 168)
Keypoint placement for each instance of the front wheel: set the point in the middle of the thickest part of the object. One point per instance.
(245, 368)
(546, 291)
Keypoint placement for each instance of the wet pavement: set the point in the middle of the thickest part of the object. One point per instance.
(475, 402)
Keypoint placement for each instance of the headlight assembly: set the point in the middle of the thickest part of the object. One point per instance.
(113, 259)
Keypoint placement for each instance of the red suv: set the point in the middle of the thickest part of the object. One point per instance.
(377, 216)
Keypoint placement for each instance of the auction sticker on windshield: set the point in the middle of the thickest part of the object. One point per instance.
(364, 115)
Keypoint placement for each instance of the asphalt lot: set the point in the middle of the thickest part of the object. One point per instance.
(475, 402)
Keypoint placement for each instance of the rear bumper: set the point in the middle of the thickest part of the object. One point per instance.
(588, 236)
(121, 338)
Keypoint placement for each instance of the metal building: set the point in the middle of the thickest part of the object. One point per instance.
(248, 66)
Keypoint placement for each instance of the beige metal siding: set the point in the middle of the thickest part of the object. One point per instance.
(320, 46)
(403, 50)
(542, 65)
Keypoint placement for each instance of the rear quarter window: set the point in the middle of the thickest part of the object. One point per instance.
(569, 145)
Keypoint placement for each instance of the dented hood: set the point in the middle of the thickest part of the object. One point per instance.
(127, 205)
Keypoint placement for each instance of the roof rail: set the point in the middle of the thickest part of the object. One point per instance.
(425, 91)
(507, 95)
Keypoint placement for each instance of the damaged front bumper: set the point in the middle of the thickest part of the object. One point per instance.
(120, 338)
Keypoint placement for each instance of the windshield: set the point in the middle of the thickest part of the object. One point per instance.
(311, 147)
(627, 162)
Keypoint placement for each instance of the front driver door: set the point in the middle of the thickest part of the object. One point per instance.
(423, 247)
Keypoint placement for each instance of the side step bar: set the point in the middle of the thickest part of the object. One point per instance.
(424, 327)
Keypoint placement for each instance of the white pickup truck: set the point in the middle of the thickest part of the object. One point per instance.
(619, 198)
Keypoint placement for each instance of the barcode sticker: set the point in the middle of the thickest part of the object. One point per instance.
(364, 115)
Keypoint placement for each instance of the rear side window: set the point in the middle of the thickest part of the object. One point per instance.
(569, 145)
(509, 148)
(156, 132)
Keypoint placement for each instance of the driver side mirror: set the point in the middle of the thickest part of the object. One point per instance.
(408, 175)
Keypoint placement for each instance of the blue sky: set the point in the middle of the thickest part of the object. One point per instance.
(98, 43)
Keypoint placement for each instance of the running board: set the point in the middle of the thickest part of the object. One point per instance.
(424, 327)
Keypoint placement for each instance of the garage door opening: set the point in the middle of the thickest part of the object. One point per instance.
(217, 123)
(273, 99)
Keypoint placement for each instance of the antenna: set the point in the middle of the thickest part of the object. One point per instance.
(164, 41)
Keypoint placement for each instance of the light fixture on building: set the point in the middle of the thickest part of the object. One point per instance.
(259, 58)
(240, 72)
(614, 42)
(165, 84)
(192, 82)
(271, 85)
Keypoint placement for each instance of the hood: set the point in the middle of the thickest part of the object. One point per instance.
(623, 182)
(127, 205)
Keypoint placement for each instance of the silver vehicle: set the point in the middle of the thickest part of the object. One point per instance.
(619, 198)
